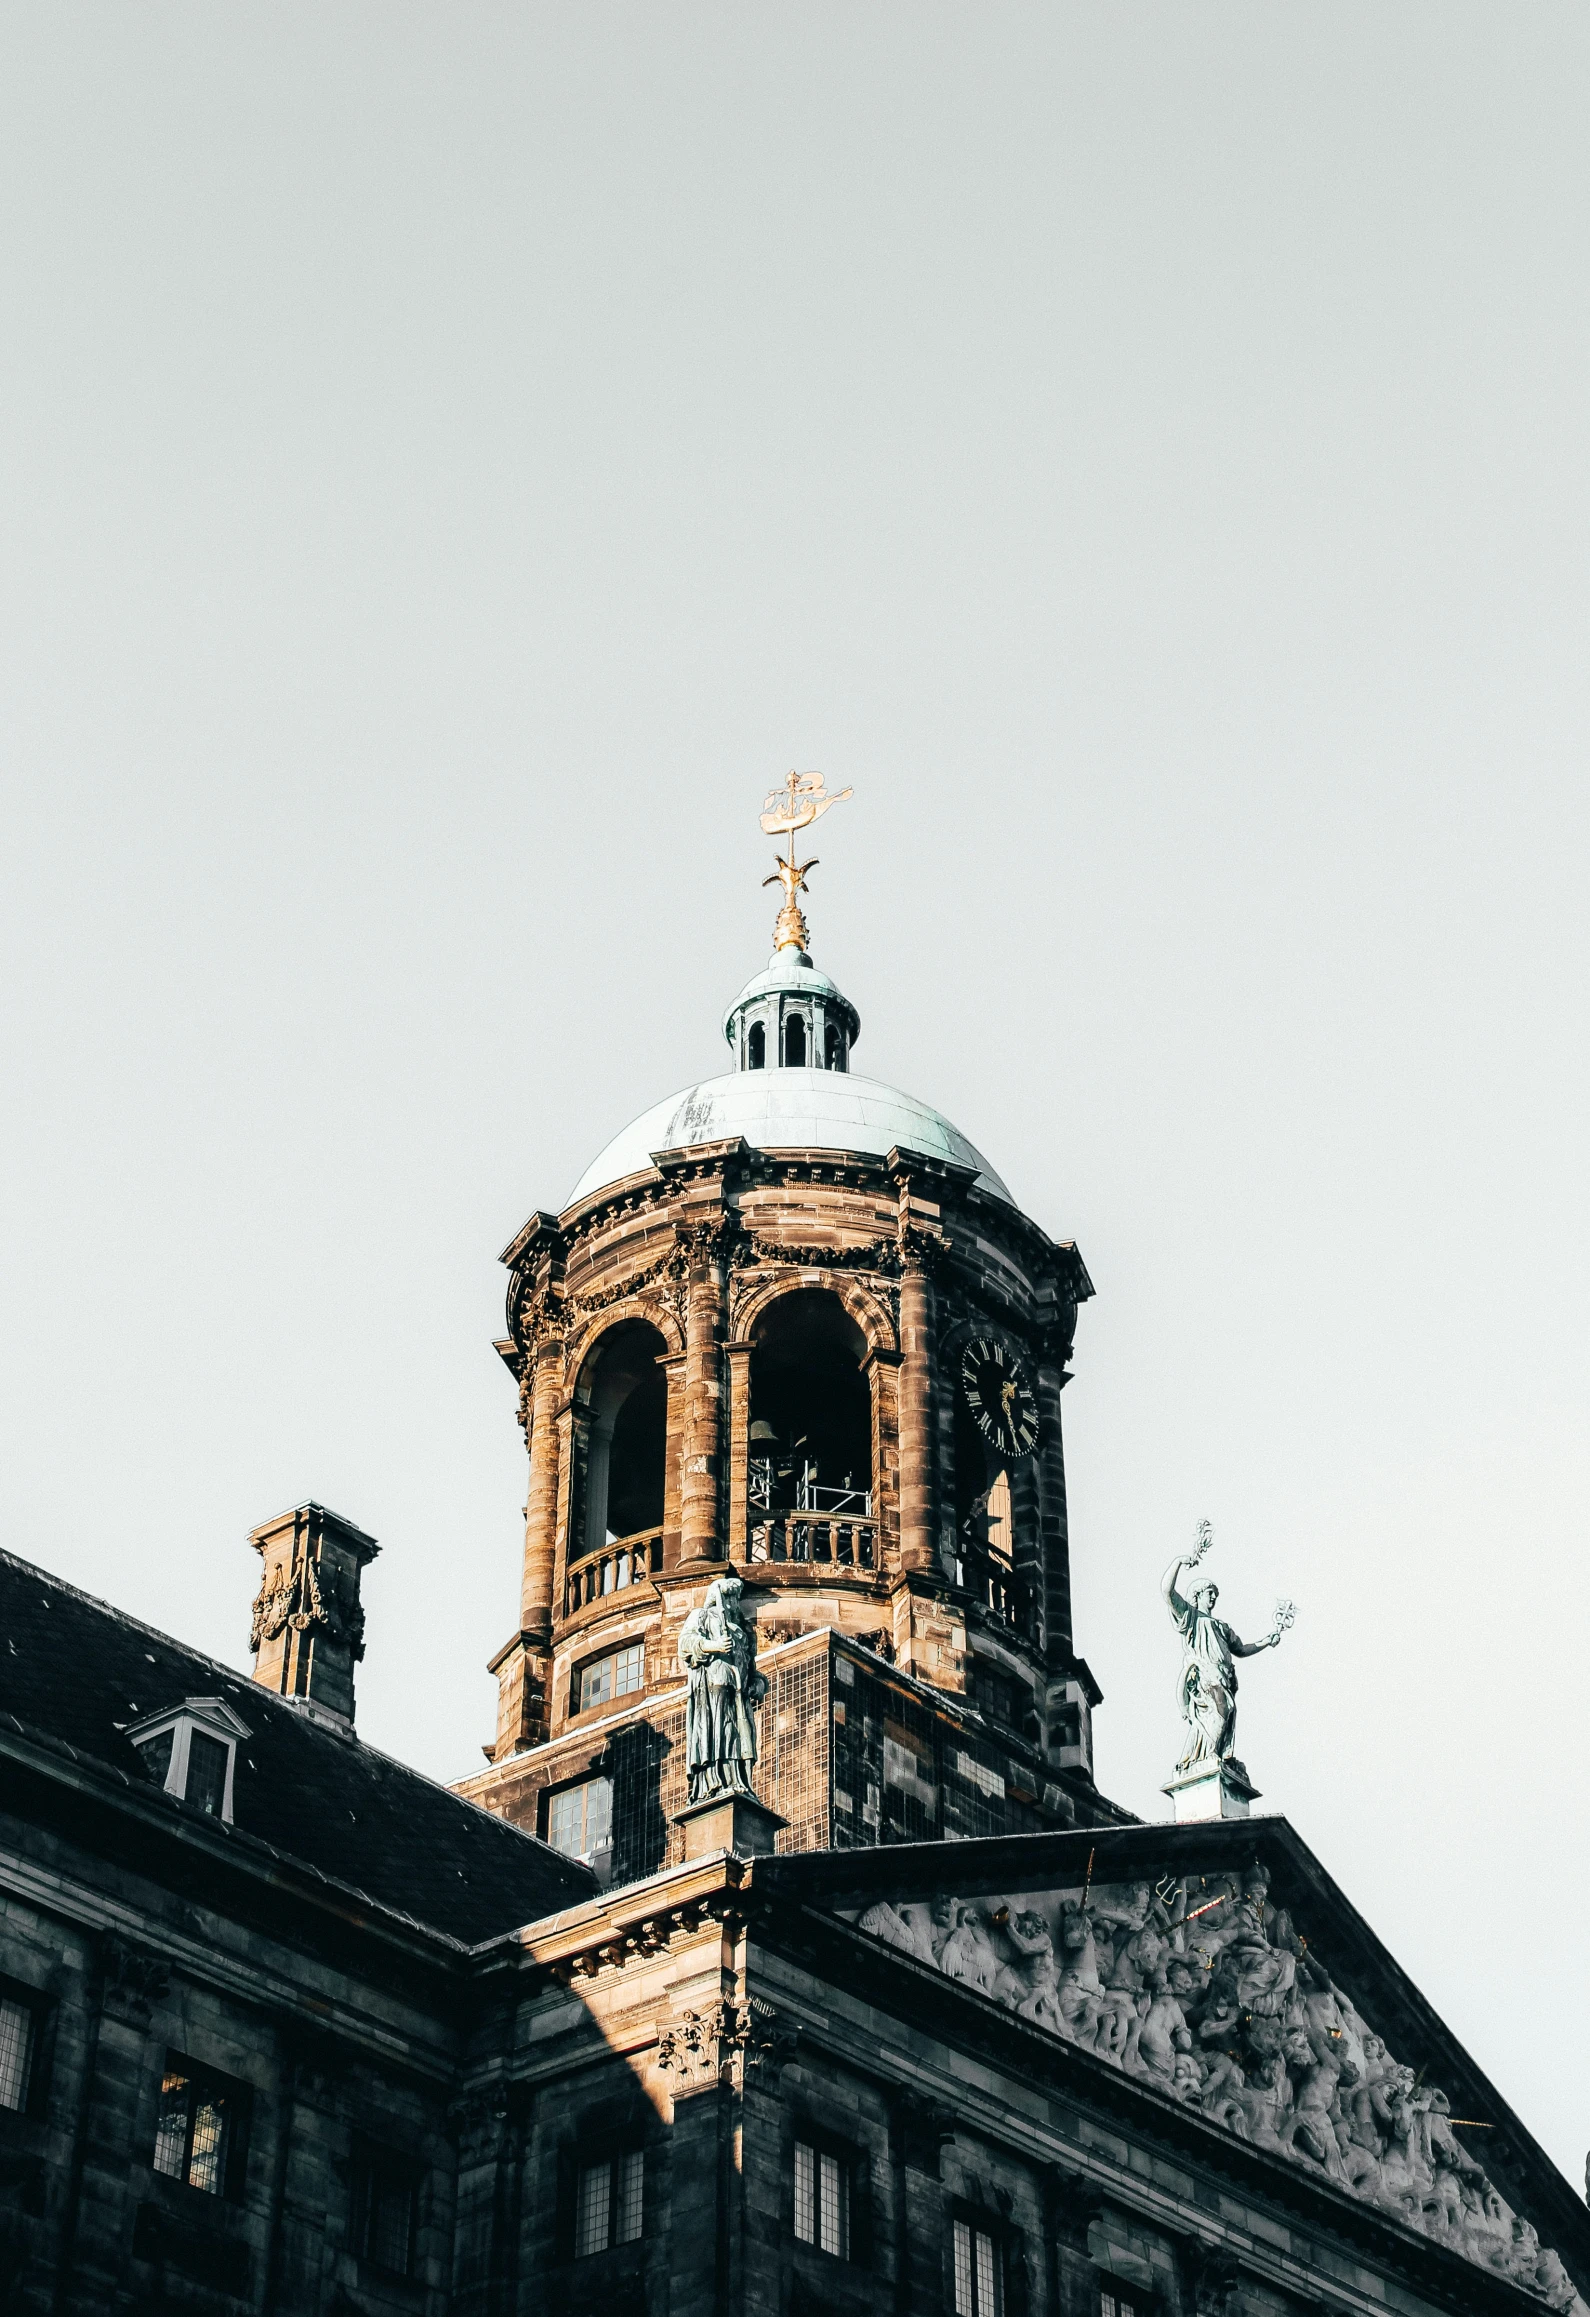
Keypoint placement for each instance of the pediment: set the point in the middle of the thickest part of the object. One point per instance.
(1223, 1971)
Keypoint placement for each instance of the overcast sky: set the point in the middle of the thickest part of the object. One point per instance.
(455, 458)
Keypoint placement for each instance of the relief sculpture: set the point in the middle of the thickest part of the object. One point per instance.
(1205, 1991)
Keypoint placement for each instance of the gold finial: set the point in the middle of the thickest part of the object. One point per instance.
(800, 801)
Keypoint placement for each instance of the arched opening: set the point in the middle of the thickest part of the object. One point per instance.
(995, 1527)
(756, 1048)
(795, 1043)
(833, 1054)
(811, 1408)
(625, 1394)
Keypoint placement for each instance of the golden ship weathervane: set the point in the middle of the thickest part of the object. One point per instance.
(800, 800)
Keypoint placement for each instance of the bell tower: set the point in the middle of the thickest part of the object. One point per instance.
(792, 1324)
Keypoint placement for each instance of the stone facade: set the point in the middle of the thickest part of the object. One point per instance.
(288, 2030)
(903, 1261)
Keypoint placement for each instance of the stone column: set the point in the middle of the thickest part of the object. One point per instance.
(919, 1510)
(738, 1357)
(673, 1366)
(1052, 1513)
(700, 1526)
(541, 1517)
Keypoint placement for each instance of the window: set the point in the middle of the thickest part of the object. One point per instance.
(831, 1048)
(610, 2203)
(194, 2135)
(191, 1750)
(795, 1043)
(976, 2271)
(16, 2052)
(822, 2200)
(756, 1047)
(383, 2211)
(580, 1818)
(1117, 2300)
(612, 1677)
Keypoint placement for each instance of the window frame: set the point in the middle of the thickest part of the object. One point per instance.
(854, 2168)
(553, 1794)
(979, 2224)
(38, 2009)
(212, 1718)
(373, 2160)
(1108, 2301)
(610, 1657)
(233, 2099)
(615, 2158)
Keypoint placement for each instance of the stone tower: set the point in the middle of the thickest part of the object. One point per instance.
(791, 1322)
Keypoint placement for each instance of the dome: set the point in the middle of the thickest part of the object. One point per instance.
(792, 973)
(787, 1110)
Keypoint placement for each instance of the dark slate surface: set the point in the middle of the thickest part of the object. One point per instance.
(72, 1668)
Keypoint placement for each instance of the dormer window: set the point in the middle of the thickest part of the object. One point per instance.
(191, 1750)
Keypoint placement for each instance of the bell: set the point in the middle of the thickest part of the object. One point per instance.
(762, 1434)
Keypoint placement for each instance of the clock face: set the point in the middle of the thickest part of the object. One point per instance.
(1000, 1397)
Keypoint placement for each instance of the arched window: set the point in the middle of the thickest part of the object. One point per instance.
(833, 1057)
(811, 1406)
(795, 1043)
(756, 1048)
(626, 1395)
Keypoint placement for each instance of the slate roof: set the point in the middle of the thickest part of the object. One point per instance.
(72, 1668)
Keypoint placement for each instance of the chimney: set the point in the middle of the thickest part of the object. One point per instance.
(308, 1621)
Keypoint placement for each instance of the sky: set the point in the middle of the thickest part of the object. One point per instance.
(454, 460)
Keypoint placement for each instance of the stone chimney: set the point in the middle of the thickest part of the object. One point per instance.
(308, 1621)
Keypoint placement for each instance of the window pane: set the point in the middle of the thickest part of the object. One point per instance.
(805, 2193)
(831, 2206)
(206, 1772)
(987, 2306)
(965, 2302)
(566, 1821)
(156, 1756)
(209, 2135)
(171, 2136)
(598, 1814)
(580, 1819)
(631, 2197)
(16, 2035)
(391, 2214)
(629, 1670)
(590, 2226)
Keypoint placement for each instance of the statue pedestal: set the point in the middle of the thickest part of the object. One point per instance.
(1210, 1790)
(729, 1822)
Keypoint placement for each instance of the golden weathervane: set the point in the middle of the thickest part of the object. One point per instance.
(800, 801)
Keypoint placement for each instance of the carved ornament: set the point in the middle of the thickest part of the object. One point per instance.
(131, 1979)
(725, 2044)
(1205, 1992)
(309, 1593)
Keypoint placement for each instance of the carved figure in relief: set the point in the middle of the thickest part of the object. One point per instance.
(718, 1651)
(1207, 1685)
(901, 1927)
(1243, 2024)
(1163, 2034)
(969, 1954)
(1095, 2013)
